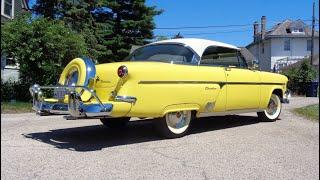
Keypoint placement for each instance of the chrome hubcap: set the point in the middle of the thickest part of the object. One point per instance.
(179, 121)
(272, 107)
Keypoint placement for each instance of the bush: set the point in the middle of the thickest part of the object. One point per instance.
(300, 76)
(6, 90)
(11, 90)
(42, 48)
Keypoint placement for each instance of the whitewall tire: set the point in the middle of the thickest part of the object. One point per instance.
(273, 110)
(174, 124)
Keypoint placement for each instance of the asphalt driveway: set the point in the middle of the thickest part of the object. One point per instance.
(232, 147)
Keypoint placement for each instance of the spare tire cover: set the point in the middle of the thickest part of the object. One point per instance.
(78, 72)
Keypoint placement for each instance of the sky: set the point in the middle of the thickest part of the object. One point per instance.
(201, 13)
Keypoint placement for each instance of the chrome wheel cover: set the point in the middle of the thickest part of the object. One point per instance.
(274, 107)
(178, 122)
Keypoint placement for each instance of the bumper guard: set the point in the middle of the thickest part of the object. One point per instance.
(75, 107)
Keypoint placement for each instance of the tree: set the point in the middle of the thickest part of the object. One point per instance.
(110, 27)
(42, 47)
(133, 24)
(79, 16)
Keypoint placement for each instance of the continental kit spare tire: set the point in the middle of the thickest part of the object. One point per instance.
(78, 72)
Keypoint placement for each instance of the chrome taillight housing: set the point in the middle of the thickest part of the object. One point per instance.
(122, 71)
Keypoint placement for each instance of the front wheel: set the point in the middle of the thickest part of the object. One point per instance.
(115, 122)
(174, 124)
(273, 110)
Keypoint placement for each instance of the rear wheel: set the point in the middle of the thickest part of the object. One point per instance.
(273, 110)
(115, 122)
(174, 124)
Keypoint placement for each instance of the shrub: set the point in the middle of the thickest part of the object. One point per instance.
(6, 90)
(300, 76)
(42, 48)
(11, 90)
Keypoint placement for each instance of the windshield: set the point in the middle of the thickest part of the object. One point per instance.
(163, 52)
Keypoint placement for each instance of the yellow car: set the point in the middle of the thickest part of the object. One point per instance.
(172, 81)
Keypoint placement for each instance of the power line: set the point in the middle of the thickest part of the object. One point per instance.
(235, 30)
(203, 27)
(217, 26)
(209, 33)
(188, 34)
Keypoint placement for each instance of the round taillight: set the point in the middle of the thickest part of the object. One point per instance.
(122, 71)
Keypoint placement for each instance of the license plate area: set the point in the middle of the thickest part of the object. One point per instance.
(59, 93)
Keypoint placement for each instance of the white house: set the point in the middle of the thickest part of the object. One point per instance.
(9, 10)
(284, 44)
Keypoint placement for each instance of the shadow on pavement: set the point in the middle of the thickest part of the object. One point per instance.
(97, 137)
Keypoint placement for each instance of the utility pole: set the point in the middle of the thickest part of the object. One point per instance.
(312, 36)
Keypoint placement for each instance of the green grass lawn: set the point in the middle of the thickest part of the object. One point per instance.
(15, 107)
(311, 112)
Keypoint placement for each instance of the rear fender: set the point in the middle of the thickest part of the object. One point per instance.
(180, 107)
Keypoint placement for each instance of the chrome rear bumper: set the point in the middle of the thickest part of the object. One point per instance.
(75, 107)
(46, 108)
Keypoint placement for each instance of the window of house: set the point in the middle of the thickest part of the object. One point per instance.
(7, 8)
(287, 44)
(7, 62)
(221, 56)
(297, 30)
(10, 62)
(288, 30)
(309, 44)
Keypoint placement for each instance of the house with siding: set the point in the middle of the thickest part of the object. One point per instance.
(284, 44)
(9, 10)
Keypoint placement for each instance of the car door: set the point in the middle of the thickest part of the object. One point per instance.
(243, 87)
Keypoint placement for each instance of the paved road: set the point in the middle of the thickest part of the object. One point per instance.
(233, 147)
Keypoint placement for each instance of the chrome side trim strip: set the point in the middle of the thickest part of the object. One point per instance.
(209, 82)
(208, 114)
(129, 99)
(180, 82)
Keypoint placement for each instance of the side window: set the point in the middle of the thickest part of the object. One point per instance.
(220, 56)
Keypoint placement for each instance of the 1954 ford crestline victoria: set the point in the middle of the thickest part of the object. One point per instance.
(173, 81)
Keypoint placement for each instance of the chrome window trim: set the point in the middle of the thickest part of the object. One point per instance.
(195, 55)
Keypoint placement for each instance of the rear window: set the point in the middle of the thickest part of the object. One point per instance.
(172, 53)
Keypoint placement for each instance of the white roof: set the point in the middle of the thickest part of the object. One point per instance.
(198, 45)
